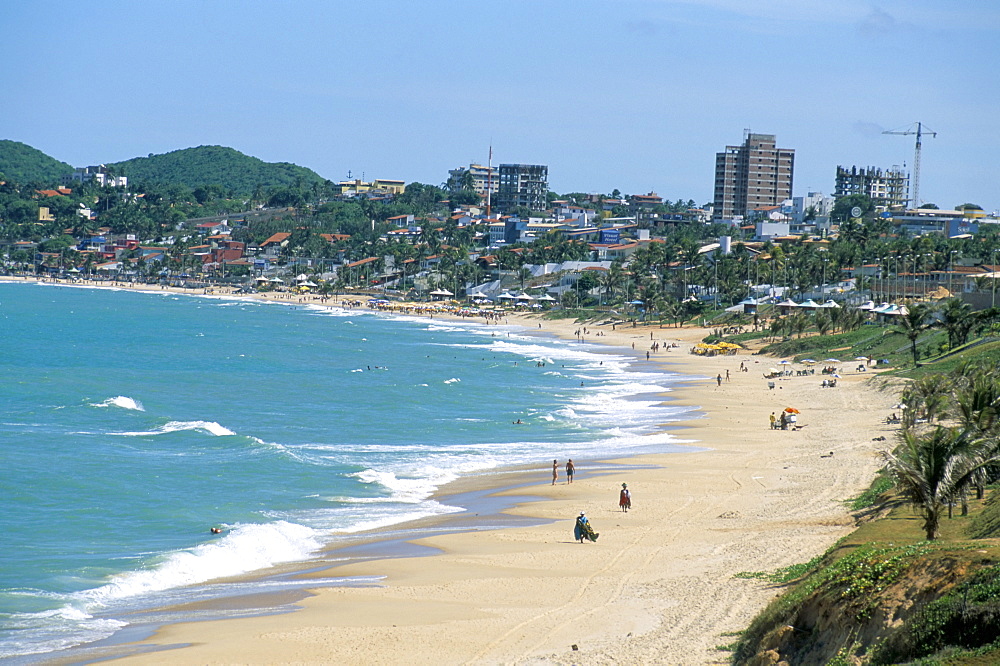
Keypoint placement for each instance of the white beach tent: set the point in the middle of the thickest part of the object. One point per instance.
(441, 292)
(810, 304)
(786, 305)
(506, 296)
(523, 297)
(867, 305)
(545, 297)
(830, 304)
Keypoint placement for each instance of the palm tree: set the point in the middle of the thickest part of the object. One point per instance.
(977, 403)
(933, 469)
(523, 273)
(957, 319)
(913, 323)
(611, 279)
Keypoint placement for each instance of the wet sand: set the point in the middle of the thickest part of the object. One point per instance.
(657, 588)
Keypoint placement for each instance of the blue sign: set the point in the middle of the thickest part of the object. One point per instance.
(612, 236)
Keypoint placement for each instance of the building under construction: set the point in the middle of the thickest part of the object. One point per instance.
(887, 189)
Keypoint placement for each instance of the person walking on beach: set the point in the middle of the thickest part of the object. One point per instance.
(773, 419)
(582, 529)
(727, 375)
(555, 471)
(718, 380)
(570, 470)
(625, 498)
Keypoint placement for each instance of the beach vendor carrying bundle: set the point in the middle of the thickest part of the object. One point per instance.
(582, 530)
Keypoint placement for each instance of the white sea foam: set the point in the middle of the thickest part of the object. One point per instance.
(210, 427)
(244, 548)
(409, 490)
(452, 380)
(122, 401)
(374, 521)
(51, 630)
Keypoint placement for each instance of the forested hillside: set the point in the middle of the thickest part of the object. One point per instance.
(21, 163)
(230, 169)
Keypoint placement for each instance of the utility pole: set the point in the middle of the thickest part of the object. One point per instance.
(920, 131)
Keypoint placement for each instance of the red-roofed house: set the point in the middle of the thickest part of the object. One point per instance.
(272, 246)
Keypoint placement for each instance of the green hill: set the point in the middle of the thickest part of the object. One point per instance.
(214, 165)
(20, 163)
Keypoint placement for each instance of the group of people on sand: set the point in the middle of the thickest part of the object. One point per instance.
(786, 421)
(583, 531)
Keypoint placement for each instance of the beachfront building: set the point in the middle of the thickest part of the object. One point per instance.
(100, 174)
(887, 189)
(524, 185)
(483, 179)
(950, 223)
(753, 174)
(380, 187)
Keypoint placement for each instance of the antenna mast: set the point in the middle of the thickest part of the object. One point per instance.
(920, 131)
(489, 184)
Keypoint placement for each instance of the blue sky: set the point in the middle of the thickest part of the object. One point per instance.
(637, 95)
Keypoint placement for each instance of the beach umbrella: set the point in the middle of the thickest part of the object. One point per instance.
(860, 358)
(831, 360)
(791, 410)
(807, 360)
(784, 362)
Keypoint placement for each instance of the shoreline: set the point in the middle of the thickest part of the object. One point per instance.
(464, 603)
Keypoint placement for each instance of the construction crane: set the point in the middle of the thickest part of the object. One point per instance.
(919, 131)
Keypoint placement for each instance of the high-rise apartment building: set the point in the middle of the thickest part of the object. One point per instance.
(483, 179)
(887, 189)
(523, 185)
(751, 175)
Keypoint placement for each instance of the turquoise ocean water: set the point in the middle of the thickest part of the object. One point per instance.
(130, 423)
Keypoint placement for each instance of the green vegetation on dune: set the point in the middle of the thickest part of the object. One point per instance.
(920, 583)
(883, 596)
(233, 171)
(986, 525)
(23, 164)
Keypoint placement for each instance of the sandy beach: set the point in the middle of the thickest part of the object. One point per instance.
(657, 588)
